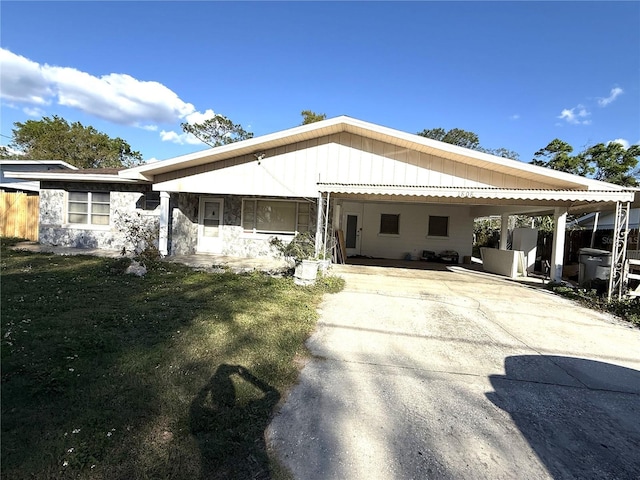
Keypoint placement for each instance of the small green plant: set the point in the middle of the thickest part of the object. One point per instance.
(118, 266)
(594, 298)
(330, 284)
(301, 247)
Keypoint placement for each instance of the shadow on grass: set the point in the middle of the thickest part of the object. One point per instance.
(99, 370)
(228, 418)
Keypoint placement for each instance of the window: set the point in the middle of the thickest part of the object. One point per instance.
(149, 201)
(275, 216)
(89, 208)
(438, 226)
(389, 224)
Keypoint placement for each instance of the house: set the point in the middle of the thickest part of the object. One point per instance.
(391, 193)
(19, 197)
(9, 184)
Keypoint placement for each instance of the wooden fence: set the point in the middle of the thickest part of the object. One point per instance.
(19, 215)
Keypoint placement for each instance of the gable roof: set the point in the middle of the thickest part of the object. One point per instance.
(559, 180)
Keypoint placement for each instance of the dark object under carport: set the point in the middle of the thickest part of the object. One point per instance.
(449, 256)
(594, 264)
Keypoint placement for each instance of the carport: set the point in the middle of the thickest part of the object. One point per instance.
(482, 202)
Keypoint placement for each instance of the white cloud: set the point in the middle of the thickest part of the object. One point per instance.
(152, 160)
(621, 141)
(116, 97)
(33, 111)
(150, 128)
(515, 116)
(21, 80)
(197, 117)
(576, 115)
(615, 93)
(179, 138)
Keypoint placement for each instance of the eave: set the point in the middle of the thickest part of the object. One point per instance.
(72, 177)
(481, 193)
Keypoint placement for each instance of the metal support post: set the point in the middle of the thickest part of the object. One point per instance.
(617, 280)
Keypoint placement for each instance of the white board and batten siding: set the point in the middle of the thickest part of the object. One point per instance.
(413, 226)
(296, 169)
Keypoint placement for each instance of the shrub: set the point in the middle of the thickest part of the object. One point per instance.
(141, 237)
(627, 309)
(301, 247)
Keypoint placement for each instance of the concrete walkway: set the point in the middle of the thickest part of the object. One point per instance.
(198, 261)
(440, 374)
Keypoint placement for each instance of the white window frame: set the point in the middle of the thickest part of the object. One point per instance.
(298, 224)
(431, 235)
(89, 214)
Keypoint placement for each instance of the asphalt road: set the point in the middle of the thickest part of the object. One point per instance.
(448, 375)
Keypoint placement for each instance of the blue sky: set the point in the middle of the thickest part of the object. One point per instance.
(519, 74)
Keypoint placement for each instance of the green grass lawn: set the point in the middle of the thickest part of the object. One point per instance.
(172, 375)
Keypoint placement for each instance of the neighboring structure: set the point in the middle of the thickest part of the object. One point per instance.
(19, 198)
(10, 184)
(391, 193)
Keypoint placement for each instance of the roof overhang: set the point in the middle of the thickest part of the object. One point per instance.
(72, 177)
(481, 193)
(27, 186)
(50, 163)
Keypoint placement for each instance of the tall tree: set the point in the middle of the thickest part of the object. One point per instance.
(614, 163)
(466, 139)
(8, 154)
(500, 152)
(610, 162)
(53, 138)
(217, 131)
(557, 155)
(455, 136)
(311, 117)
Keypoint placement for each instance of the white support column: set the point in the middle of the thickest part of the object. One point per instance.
(163, 234)
(504, 231)
(557, 252)
(319, 225)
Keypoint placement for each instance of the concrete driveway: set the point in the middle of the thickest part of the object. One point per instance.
(425, 374)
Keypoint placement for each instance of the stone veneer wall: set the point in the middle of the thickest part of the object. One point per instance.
(54, 229)
(236, 243)
(183, 231)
